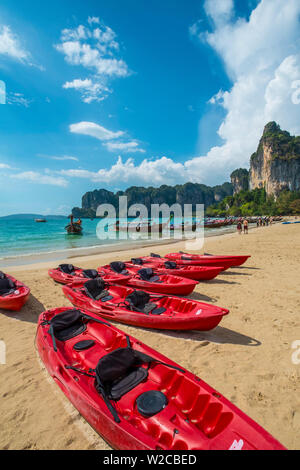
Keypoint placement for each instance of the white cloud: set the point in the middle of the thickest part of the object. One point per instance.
(77, 53)
(90, 91)
(10, 45)
(18, 99)
(220, 11)
(93, 48)
(124, 147)
(39, 178)
(94, 130)
(152, 172)
(60, 158)
(4, 166)
(261, 57)
(155, 172)
(93, 19)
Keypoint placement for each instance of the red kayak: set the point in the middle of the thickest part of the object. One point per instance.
(208, 260)
(66, 273)
(165, 266)
(13, 294)
(152, 280)
(126, 305)
(134, 397)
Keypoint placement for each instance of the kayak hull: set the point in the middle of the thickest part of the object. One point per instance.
(197, 273)
(174, 285)
(64, 278)
(15, 301)
(208, 260)
(180, 314)
(203, 418)
(167, 284)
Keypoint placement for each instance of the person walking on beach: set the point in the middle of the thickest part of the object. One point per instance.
(245, 223)
(239, 228)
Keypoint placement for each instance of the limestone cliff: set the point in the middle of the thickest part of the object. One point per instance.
(240, 180)
(276, 163)
(189, 193)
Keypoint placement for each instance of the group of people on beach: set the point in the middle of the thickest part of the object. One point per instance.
(243, 224)
(264, 221)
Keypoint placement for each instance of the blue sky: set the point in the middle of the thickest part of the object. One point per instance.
(120, 93)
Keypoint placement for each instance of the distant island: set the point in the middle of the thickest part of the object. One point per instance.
(33, 216)
(271, 186)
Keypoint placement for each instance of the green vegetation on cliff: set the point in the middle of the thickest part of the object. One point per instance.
(284, 146)
(256, 202)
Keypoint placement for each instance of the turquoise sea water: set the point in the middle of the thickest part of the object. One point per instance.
(19, 238)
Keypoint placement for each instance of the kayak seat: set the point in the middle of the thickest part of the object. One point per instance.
(7, 287)
(171, 265)
(186, 258)
(137, 261)
(154, 255)
(120, 371)
(140, 302)
(68, 325)
(90, 273)
(95, 289)
(67, 269)
(147, 274)
(119, 267)
(129, 382)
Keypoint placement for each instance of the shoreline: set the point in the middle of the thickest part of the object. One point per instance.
(81, 252)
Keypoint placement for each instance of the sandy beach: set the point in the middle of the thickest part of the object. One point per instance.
(248, 358)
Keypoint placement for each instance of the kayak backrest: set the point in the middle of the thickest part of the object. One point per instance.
(138, 299)
(140, 302)
(119, 372)
(67, 268)
(2, 275)
(67, 324)
(95, 288)
(137, 261)
(154, 255)
(171, 265)
(119, 267)
(90, 273)
(147, 274)
(7, 286)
